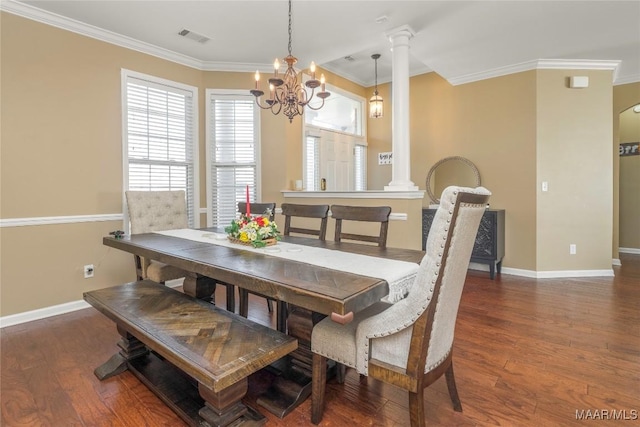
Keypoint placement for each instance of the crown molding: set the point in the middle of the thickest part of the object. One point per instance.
(580, 64)
(371, 82)
(58, 21)
(633, 78)
(540, 64)
(30, 12)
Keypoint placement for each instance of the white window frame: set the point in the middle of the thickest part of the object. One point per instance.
(192, 92)
(230, 94)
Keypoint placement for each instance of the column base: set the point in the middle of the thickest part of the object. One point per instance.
(401, 187)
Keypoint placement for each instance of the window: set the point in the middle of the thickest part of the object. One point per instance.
(360, 167)
(160, 137)
(232, 153)
(334, 146)
(312, 163)
(338, 158)
(342, 112)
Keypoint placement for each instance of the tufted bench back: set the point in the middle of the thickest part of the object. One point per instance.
(156, 210)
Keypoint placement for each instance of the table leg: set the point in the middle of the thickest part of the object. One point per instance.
(293, 385)
(200, 287)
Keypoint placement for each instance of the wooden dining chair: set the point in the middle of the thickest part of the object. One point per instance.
(286, 312)
(290, 210)
(409, 344)
(363, 214)
(151, 211)
(257, 209)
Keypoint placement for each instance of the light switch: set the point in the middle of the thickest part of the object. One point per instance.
(545, 186)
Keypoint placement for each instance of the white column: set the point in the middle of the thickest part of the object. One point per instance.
(401, 167)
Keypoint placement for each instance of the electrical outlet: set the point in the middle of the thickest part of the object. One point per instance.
(572, 249)
(88, 271)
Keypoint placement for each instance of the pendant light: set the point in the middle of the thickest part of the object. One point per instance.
(375, 103)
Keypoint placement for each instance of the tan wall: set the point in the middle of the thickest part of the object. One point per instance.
(574, 157)
(630, 183)
(624, 97)
(492, 123)
(62, 156)
(62, 153)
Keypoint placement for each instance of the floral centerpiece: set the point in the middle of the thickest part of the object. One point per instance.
(257, 231)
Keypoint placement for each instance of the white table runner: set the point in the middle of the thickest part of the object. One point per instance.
(400, 275)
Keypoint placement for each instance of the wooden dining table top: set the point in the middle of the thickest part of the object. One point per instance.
(319, 289)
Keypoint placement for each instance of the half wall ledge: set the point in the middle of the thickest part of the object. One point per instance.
(373, 194)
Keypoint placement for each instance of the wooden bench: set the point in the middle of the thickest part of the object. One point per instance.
(189, 340)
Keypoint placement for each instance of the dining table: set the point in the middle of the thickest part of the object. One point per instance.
(306, 290)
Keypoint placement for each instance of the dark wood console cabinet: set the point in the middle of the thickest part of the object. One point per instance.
(489, 246)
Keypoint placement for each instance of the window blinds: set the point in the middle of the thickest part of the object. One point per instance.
(233, 151)
(360, 167)
(312, 163)
(159, 139)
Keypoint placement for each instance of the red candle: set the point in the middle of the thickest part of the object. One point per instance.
(248, 203)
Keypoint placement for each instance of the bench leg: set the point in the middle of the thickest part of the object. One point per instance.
(130, 348)
(225, 407)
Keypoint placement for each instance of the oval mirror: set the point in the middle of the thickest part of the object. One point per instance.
(453, 170)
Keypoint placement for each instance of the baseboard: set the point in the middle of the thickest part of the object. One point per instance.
(55, 310)
(635, 251)
(616, 262)
(545, 274)
(42, 313)
(574, 273)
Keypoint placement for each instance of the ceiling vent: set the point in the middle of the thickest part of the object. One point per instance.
(194, 36)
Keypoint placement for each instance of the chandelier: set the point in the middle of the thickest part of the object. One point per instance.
(286, 94)
(375, 103)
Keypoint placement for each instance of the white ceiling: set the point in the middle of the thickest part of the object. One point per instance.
(460, 40)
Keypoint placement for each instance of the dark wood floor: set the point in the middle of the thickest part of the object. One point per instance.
(527, 353)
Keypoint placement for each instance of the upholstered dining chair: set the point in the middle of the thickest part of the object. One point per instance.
(409, 344)
(156, 211)
(243, 294)
(321, 212)
(363, 214)
(159, 211)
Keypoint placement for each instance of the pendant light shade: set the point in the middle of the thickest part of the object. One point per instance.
(376, 104)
